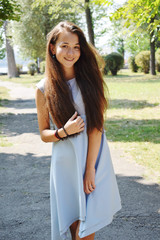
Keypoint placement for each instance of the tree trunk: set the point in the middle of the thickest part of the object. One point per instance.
(89, 23)
(12, 70)
(152, 48)
(152, 60)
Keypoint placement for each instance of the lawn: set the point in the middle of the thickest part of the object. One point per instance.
(133, 118)
(25, 79)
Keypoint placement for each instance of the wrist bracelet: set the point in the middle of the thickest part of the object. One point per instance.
(57, 135)
(65, 132)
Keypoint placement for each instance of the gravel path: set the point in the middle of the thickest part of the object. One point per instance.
(24, 181)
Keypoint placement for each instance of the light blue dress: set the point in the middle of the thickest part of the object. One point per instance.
(68, 199)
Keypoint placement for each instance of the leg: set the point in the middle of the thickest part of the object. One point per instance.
(73, 229)
(90, 237)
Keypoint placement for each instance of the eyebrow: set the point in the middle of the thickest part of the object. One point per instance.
(68, 43)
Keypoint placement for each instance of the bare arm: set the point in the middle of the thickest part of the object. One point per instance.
(74, 124)
(94, 141)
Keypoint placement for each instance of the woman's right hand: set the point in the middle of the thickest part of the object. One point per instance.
(75, 124)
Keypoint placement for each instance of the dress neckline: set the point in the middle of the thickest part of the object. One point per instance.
(70, 80)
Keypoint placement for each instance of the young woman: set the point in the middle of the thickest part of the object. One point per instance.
(83, 189)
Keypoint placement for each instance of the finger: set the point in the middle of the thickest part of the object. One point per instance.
(74, 116)
(91, 188)
(81, 129)
(93, 185)
(82, 124)
(88, 190)
(80, 121)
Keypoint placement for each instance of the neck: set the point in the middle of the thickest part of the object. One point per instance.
(69, 74)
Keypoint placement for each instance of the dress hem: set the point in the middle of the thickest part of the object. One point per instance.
(99, 225)
(62, 232)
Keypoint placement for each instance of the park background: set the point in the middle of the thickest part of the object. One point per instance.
(129, 28)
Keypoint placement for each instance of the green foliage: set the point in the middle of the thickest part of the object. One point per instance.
(9, 10)
(19, 68)
(132, 65)
(142, 59)
(2, 49)
(158, 55)
(114, 61)
(74, 11)
(105, 69)
(62, 9)
(137, 42)
(29, 34)
(140, 12)
(32, 68)
(42, 66)
(158, 59)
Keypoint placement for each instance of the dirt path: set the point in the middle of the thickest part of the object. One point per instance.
(24, 182)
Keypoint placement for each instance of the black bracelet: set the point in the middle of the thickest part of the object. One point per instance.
(67, 135)
(57, 135)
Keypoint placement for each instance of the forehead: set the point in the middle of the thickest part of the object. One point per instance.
(67, 37)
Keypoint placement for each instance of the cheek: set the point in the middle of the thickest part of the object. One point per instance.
(78, 54)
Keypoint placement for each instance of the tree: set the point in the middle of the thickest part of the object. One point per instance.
(29, 33)
(9, 10)
(2, 48)
(89, 22)
(12, 70)
(75, 10)
(142, 13)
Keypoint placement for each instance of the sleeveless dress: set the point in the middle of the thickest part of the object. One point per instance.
(68, 200)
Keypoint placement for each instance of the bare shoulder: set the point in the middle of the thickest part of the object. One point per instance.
(40, 99)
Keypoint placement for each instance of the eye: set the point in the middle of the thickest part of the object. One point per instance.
(64, 46)
(77, 47)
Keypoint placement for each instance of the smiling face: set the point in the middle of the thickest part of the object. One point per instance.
(67, 50)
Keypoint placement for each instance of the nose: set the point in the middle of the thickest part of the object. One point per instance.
(70, 51)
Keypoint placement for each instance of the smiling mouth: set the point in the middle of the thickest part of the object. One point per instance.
(70, 60)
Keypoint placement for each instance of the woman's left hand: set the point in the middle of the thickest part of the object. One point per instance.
(89, 181)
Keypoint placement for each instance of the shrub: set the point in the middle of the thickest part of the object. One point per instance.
(19, 68)
(142, 59)
(132, 65)
(105, 69)
(158, 59)
(42, 66)
(114, 62)
(32, 68)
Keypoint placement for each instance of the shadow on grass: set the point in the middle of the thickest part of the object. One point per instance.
(25, 206)
(132, 104)
(132, 130)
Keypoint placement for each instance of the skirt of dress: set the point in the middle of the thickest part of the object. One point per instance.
(68, 199)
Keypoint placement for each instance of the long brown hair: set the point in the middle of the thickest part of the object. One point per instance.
(88, 77)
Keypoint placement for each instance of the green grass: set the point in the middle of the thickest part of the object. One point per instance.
(133, 117)
(25, 79)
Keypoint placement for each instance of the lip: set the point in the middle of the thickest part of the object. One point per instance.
(69, 60)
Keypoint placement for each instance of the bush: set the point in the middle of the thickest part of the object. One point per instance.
(142, 59)
(114, 62)
(105, 69)
(132, 65)
(42, 66)
(19, 68)
(158, 59)
(32, 68)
